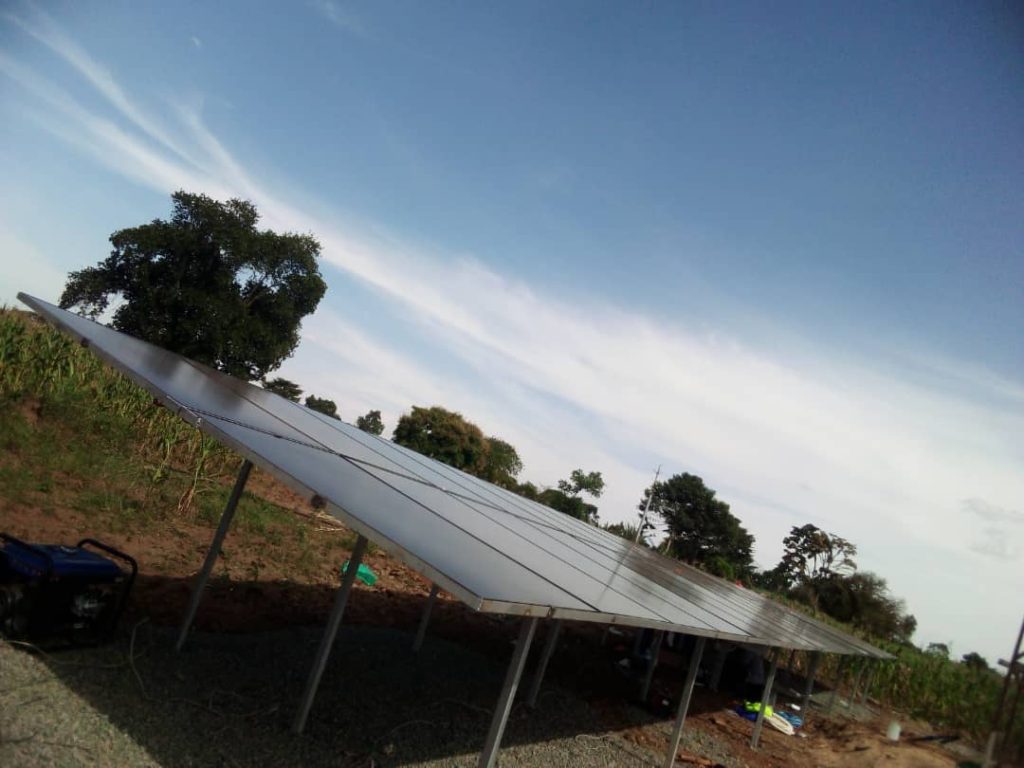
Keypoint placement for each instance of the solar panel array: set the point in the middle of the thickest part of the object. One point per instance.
(496, 551)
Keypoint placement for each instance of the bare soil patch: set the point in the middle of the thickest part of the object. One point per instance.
(228, 700)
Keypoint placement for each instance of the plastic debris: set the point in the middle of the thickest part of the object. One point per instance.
(363, 573)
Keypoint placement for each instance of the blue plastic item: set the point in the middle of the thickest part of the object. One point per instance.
(795, 720)
(742, 712)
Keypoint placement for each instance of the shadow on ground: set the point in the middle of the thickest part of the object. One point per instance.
(229, 697)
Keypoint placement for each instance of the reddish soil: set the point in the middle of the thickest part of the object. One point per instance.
(261, 583)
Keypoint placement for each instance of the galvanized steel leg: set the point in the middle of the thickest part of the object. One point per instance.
(856, 684)
(836, 684)
(684, 701)
(508, 692)
(542, 664)
(812, 670)
(211, 557)
(649, 674)
(867, 683)
(717, 666)
(327, 641)
(424, 620)
(766, 694)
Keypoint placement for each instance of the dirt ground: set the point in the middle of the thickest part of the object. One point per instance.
(228, 699)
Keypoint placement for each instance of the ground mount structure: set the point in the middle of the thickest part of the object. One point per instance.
(495, 551)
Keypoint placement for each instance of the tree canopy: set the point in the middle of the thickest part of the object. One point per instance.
(938, 649)
(701, 529)
(443, 435)
(811, 556)
(975, 661)
(503, 464)
(818, 569)
(861, 599)
(582, 482)
(566, 498)
(574, 506)
(627, 531)
(207, 284)
(283, 387)
(371, 423)
(323, 405)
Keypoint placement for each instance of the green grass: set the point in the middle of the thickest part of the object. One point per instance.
(77, 435)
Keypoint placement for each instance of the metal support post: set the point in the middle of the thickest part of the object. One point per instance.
(330, 631)
(836, 685)
(211, 556)
(718, 665)
(655, 651)
(812, 671)
(425, 619)
(489, 755)
(542, 664)
(868, 682)
(684, 700)
(638, 636)
(856, 684)
(766, 694)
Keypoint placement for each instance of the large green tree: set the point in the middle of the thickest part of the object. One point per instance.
(371, 422)
(323, 405)
(567, 497)
(503, 464)
(443, 435)
(627, 531)
(527, 490)
(582, 482)
(574, 506)
(283, 387)
(862, 599)
(208, 284)
(817, 568)
(701, 529)
(811, 556)
(975, 661)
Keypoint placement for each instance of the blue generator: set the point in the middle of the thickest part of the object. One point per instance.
(54, 593)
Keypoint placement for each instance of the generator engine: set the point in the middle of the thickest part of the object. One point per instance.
(53, 593)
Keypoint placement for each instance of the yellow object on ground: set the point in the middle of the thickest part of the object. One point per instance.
(755, 706)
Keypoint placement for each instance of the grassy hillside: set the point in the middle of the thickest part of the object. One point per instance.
(78, 439)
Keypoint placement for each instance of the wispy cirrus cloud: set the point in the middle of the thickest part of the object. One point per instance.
(995, 543)
(341, 16)
(787, 437)
(42, 28)
(993, 513)
(1001, 537)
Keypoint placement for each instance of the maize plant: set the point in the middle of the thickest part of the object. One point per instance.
(37, 361)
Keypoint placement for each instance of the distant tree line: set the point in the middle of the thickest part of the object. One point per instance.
(817, 568)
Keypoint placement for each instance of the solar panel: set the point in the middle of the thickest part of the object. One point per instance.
(494, 550)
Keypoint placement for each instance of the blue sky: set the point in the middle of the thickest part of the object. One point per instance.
(779, 246)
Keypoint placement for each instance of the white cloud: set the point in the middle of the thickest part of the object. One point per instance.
(992, 513)
(341, 17)
(24, 268)
(786, 437)
(994, 543)
(42, 28)
(196, 41)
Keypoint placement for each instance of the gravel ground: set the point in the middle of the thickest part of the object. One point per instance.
(227, 700)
